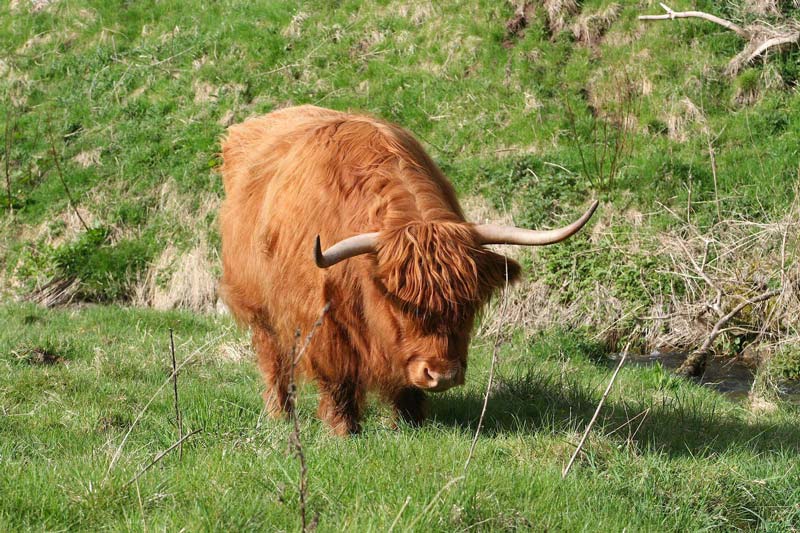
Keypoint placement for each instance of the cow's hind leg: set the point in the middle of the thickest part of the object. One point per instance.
(410, 405)
(274, 365)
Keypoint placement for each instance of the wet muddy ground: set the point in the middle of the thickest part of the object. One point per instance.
(729, 376)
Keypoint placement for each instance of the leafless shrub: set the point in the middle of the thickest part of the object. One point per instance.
(605, 142)
(742, 285)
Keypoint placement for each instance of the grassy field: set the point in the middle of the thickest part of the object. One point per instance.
(111, 116)
(665, 455)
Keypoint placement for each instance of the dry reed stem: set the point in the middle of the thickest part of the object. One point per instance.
(399, 513)
(60, 174)
(118, 451)
(178, 419)
(596, 411)
(294, 438)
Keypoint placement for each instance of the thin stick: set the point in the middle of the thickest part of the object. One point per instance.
(695, 363)
(178, 418)
(781, 40)
(596, 411)
(161, 456)
(713, 157)
(64, 183)
(491, 376)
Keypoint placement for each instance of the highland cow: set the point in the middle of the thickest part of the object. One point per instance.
(404, 277)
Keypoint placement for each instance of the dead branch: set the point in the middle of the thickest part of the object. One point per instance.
(118, 451)
(760, 38)
(670, 15)
(178, 419)
(781, 40)
(161, 455)
(596, 411)
(695, 364)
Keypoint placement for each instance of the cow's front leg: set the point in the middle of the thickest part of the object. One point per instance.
(410, 405)
(340, 405)
(273, 364)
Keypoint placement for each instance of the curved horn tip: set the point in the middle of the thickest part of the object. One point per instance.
(319, 259)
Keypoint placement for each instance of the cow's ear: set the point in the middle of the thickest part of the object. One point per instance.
(495, 271)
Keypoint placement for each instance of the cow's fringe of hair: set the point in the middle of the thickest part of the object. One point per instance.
(437, 268)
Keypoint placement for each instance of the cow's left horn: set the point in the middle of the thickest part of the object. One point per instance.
(345, 249)
(492, 234)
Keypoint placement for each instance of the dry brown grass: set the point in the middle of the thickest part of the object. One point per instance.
(681, 115)
(590, 28)
(558, 12)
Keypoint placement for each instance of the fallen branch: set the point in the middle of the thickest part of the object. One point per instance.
(161, 455)
(695, 364)
(670, 15)
(596, 411)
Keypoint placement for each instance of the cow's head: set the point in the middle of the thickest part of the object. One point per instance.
(430, 280)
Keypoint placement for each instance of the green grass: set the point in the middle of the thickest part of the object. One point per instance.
(694, 461)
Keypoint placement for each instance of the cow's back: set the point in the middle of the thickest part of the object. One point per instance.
(305, 171)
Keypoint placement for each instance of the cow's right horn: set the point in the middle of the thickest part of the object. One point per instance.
(345, 249)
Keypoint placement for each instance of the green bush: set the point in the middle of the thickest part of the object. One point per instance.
(105, 270)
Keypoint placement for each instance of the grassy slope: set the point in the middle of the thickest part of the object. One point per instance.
(697, 461)
(147, 84)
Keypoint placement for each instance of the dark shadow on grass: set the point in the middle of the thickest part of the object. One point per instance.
(679, 422)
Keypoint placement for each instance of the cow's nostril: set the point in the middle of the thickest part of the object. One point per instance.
(428, 375)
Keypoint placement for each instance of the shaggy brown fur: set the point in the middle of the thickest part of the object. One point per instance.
(306, 171)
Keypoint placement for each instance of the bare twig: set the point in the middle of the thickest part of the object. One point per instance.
(178, 419)
(694, 365)
(781, 40)
(670, 15)
(161, 456)
(596, 411)
(71, 200)
(713, 156)
(294, 439)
